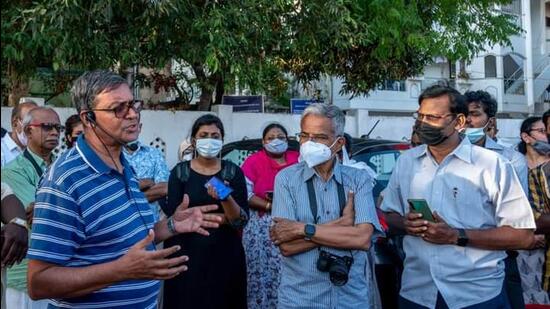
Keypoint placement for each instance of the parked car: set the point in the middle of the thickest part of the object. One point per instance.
(380, 155)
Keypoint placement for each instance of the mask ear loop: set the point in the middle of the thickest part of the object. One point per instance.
(345, 156)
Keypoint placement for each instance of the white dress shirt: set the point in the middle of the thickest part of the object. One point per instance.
(10, 150)
(472, 188)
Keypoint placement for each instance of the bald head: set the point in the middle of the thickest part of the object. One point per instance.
(19, 112)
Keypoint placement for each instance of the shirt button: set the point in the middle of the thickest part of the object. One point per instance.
(325, 189)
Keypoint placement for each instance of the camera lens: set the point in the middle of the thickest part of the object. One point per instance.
(339, 272)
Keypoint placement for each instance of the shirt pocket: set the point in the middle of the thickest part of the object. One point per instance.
(470, 205)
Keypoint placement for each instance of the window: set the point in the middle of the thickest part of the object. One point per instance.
(382, 162)
(490, 66)
(392, 85)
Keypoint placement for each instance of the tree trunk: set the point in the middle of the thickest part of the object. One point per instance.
(19, 86)
(220, 90)
(205, 99)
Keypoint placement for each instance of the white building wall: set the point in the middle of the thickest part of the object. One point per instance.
(173, 127)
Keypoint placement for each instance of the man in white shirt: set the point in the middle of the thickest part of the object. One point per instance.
(456, 258)
(14, 142)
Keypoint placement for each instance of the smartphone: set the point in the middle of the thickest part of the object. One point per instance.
(222, 189)
(269, 195)
(421, 206)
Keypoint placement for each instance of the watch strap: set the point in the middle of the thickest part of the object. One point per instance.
(462, 240)
(20, 222)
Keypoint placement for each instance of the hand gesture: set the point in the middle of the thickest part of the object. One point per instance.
(284, 230)
(14, 244)
(414, 224)
(138, 263)
(440, 232)
(195, 219)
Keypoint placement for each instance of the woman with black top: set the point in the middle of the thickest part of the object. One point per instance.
(216, 275)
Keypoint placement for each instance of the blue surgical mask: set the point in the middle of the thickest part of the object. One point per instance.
(542, 148)
(209, 147)
(276, 146)
(475, 134)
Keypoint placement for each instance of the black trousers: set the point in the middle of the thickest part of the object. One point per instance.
(512, 281)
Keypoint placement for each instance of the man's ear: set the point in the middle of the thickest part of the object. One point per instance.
(340, 143)
(460, 122)
(491, 124)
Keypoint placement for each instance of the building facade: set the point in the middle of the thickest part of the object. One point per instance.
(518, 76)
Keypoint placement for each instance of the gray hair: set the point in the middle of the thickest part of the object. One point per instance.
(331, 112)
(29, 117)
(90, 84)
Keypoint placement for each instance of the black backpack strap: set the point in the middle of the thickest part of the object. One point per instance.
(229, 170)
(182, 171)
(37, 167)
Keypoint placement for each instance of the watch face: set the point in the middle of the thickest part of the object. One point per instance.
(309, 230)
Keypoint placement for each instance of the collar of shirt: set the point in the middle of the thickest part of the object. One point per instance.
(10, 142)
(38, 159)
(134, 153)
(94, 161)
(492, 145)
(463, 151)
(336, 172)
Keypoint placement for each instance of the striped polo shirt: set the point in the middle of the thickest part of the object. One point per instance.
(87, 213)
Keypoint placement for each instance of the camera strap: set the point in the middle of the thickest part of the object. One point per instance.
(313, 198)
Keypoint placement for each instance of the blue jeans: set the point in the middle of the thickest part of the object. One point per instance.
(499, 302)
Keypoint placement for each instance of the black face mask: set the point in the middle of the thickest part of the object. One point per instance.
(428, 134)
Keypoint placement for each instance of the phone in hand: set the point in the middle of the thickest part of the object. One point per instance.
(269, 195)
(222, 189)
(421, 206)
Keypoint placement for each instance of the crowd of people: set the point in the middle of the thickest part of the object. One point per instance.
(107, 224)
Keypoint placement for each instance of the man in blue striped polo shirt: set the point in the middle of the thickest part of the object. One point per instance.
(311, 221)
(92, 242)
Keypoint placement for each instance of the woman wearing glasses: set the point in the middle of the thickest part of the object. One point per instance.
(216, 277)
(262, 256)
(533, 264)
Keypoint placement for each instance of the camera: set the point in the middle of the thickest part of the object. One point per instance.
(337, 266)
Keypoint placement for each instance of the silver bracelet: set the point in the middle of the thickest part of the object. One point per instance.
(170, 225)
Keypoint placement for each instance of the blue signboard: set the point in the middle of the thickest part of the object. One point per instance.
(297, 106)
(248, 103)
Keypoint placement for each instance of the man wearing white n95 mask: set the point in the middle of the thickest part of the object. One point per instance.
(324, 219)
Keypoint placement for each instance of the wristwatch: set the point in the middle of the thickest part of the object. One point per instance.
(462, 238)
(20, 222)
(309, 230)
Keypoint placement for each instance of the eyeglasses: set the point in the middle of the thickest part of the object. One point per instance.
(540, 130)
(323, 138)
(122, 109)
(48, 126)
(429, 117)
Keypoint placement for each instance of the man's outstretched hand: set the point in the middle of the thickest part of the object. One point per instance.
(195, 219)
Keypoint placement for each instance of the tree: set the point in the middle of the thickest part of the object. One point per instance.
(254, 42)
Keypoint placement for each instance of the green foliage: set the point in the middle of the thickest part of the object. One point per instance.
(253, 41)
